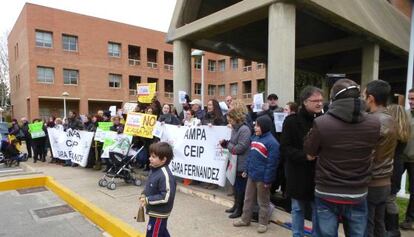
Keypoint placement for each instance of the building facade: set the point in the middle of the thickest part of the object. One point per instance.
(99, 62)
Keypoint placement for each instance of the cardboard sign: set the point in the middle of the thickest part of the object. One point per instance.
(139, 124)
(36, 130)
(145, 92)
(105, 126)
(129, 107)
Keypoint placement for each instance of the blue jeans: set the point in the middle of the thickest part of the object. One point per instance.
(326, 218)
(298, 217)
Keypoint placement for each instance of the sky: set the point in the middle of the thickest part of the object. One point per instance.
(152, 14)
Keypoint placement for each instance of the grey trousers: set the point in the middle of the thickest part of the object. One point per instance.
(256, 191)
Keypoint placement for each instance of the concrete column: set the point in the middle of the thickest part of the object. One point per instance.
(281, 51)
(182, 70)
(370, 64)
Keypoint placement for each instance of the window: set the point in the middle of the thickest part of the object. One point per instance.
(70, 76)
(247, 66)
(211, 89)
(115, 80)
(197, 63)
(114, 49)
(70, 42)
(233, 89)
(44, 39)
(234, 63)
(211, 65)
(222, 90)
(45, 74)
(16, 51)
(197, 88)
(222, 65)
(261, 85)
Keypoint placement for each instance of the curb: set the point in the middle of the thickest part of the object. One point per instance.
(111, 225)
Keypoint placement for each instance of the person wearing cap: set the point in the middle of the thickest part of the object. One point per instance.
(196, 107)
(300, 172)
(260, 168)
(269, 109)
(342, 142)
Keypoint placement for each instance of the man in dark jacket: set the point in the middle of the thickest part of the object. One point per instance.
(74, 122)
(376, 95)
(300, 172)
(342, 141)
(27, 138)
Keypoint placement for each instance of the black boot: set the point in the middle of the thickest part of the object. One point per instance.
(392, 225)
(239, 206)
(233, 208)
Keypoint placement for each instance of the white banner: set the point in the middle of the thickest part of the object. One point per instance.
(71, 145)
(197, 152)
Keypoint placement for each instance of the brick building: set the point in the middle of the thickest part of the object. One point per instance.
(98, 62)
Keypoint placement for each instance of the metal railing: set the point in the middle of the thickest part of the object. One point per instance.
(247, 68)
(169, 94)
(152, 65)
(260, 66)
(132, 92)
(168, 67)
(247, 95)
(134, 62)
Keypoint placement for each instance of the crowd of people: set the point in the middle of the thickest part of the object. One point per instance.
(337, 163)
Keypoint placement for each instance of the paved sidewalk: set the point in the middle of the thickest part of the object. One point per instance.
(191, 215)
(39, 212)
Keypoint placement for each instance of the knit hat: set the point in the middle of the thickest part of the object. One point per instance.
(265, 123)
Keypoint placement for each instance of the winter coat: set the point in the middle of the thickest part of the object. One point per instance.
(169, 119)
(160, 192)
(343, 140)
(300, 173)
(210, 118)
(239, 144)
(262, 160)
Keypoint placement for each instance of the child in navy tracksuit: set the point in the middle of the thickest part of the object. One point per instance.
(261, 170)
(159, 193)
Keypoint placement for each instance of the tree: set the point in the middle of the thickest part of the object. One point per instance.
(4, 73)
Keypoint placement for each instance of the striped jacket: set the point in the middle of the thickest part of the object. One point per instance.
(263, 157)
(160, 192)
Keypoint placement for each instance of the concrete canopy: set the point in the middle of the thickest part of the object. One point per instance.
(330, 34)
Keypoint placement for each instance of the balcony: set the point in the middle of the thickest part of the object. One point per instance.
(132, 92)
(152, 65)
(247, 95)
(169, 95)
(134, 62)
(247, 68)
(260, 66)
(168, 67)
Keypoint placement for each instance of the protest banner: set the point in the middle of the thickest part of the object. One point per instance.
(197, 152)
(4, 128)
(279, 118)
(258, 102)
(105, 126)
(146, 91)
(36, 130)
(181, 97)
(71, 145)
(139, 124)
(115, 142)
(231, 168)
(129, 107)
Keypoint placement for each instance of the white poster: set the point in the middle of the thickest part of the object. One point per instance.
(279, 119)
(181, 97)
(158, 129)
(231, 168)
(129, 107)
(115, 142)
(112, 108)
(71, 145)
(197, 152)
(258, 102)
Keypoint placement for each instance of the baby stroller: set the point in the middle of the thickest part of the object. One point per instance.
(10, 154)
(121, 168)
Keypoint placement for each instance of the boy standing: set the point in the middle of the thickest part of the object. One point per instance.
(159, 192)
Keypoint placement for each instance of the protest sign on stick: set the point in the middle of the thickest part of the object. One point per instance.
(139, 124)
(36, 130)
